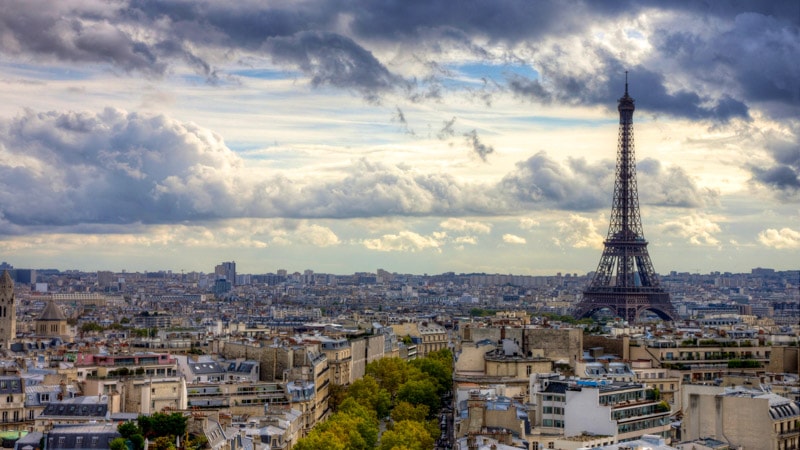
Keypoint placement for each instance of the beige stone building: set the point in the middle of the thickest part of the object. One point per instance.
(12, 402)
(243, 398)
(340, 359)
(428, 336)
(745, 418)
(699, 360)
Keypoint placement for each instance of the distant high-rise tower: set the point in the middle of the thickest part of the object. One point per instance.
(227, 270)
(625, 281)
(8, 311)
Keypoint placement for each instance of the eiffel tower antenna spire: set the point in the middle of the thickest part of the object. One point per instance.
(625, 282)
(626, 82)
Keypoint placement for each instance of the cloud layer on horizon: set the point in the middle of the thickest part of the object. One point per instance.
(116, 167)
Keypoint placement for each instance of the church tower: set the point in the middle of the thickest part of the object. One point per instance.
(8, 311)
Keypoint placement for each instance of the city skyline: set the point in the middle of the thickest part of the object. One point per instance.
(416, 137)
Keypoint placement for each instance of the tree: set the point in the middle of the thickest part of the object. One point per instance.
(89, 327)
(439, 370)
(118, 444)
(420, 392)
(128, 429)
(319, 441)
(336, 395)
(353, 427)
(407, 434)
(138, 441)
(366, 421)
(163, 443)
(407, 411)
(368, 393)
(162, 424)
(390, 373)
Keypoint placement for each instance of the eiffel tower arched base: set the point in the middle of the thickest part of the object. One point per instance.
(627, 305)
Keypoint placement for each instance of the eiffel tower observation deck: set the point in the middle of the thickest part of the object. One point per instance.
(625, 283)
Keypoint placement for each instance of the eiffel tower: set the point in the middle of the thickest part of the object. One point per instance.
(625, 282)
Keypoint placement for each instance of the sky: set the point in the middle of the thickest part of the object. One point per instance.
(416, 136)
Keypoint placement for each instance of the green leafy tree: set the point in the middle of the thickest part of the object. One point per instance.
(353, 427)
(368, 393)
(197, 442)
(162, 424)
(407, 434)
(407, 411)
(319, 441)
(390, 373)
(420, 392)
(366, 421)
(90, 327)
(128, 429)
(162, 443)
(336, 395)
(138, 441)
(438, 370)
(118, 444)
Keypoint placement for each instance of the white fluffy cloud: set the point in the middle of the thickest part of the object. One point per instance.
(697, 229)
(578, 232)
(404, 241)
(513, 239)
(780, 239)
(527, 223)
(456, 224)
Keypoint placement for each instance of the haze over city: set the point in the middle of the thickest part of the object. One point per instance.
(431, 136)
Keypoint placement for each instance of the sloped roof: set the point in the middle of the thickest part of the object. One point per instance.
(6, 280)
(88, 407)
(52, 312)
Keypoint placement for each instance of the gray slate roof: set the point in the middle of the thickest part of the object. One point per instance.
(52, 312)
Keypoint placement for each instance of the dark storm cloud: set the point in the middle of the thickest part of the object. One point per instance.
(528, 89)
(447, 130)
(478, 147)
(577, 186)
(759, 52)
(50, 29)
(334, 43)
(335, 60)
(647, 87)
(670, 186)
(783, 175)
(400, 117)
